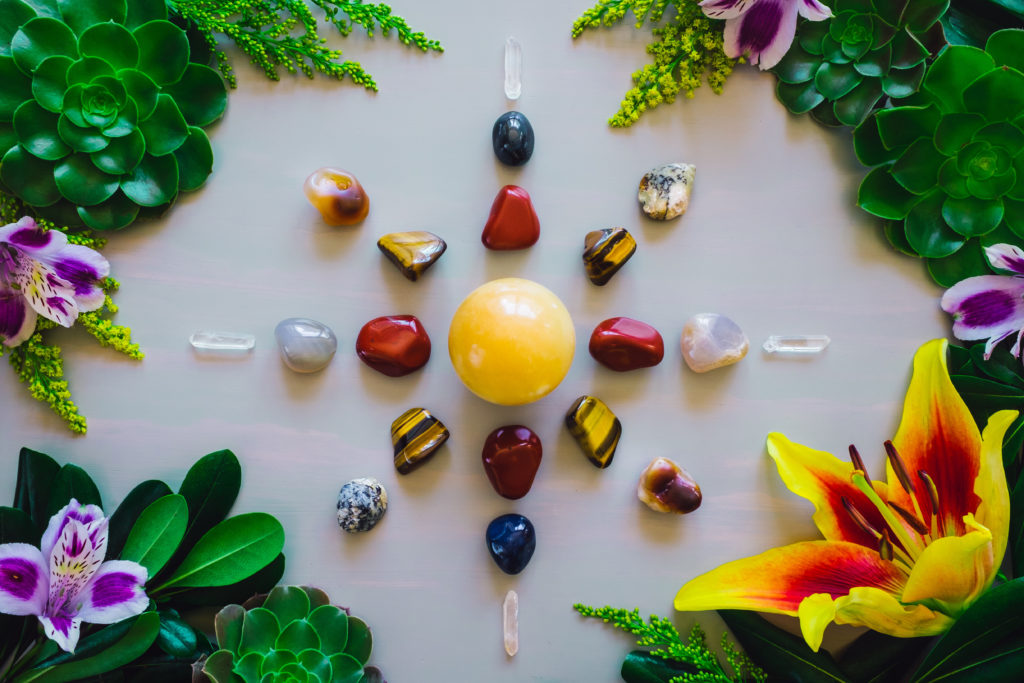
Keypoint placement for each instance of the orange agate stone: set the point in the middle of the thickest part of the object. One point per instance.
(337, 195)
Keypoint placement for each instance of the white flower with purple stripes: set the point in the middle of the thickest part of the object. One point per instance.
(990, 306)
(41, 274)
(762, 29)
(65, 581)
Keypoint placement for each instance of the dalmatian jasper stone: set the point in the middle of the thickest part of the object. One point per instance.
(665, 191)
(361, 504)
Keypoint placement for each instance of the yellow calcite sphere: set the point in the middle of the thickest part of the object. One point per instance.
(511, 341)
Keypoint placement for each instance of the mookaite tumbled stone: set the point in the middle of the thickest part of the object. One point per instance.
(394, 345)
(361, 504)
(306, 345)
(623, 344)
(337, 195)
(710, 341)
(595, 428)
(511, 457)
(412, 252)
(605, 251)
(415, 435)
(665, 191)
(511, 540)
(512, 138)
(666, 487)
(513, 223)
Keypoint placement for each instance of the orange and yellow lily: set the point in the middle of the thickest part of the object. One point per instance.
(904, 557)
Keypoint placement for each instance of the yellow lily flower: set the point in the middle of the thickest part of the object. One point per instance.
(904, 557)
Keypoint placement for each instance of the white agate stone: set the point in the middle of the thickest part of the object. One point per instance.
(712, 341)
(665, 190)
(306, 345)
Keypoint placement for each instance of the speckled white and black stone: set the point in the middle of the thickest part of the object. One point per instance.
(361, 504)
(665, 191)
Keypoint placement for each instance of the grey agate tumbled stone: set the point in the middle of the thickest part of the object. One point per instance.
(710, 341)
(306, 345)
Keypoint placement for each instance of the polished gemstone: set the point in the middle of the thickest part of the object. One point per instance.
(666, 487)
(306, 345)
(511, 458)
(511, 541)
(209, 340)
(361, 504)
(710, 341)
(394, 345)
(512, 138)
(412, 252)
(595, 428)
(337, 195)
(510, 623)
(796, 344)
(625, 344)
(511, 341)
(665, 190)
(605, 251)
(415, 435)
(513, 223)
(513, 68)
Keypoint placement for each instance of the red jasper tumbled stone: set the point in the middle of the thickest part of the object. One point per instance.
(625, 344)
(513, 223)
(394, 345)
(511, 458)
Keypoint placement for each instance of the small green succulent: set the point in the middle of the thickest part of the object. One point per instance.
(295, 636)
(842, 69)
(949, 170)
(101, 110)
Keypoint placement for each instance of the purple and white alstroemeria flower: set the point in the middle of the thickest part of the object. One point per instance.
(40, 273)
(65, 581)
(762, 28)
(990, 306)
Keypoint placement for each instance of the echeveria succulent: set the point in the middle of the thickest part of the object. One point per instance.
(840, 70)
(296, 635)
(950, 164)
(101, 109)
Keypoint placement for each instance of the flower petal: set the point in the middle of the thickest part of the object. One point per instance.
(115, 593)
(49, 295)
(994, 511)
(725, 9)
(23, 579)
(62, 629)
(17, 318)
(952, 571)
(32, 240)
(76, 556)
(86, 514)
(816, 612)
(880, 611)
(813, 10)
(765, 31)
(82, 268)
(985, 306)
(779, 579)
(824, 480)
(1006, 257)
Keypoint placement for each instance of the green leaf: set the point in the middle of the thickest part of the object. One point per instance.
(835, 80)
(971, 216)
(986, 393)
(36, 129)
(288, 603)
(13, 14)
(921, 14)
(49, 82)
(260, 629)
(360, 640)
(993, 188)
(72, 482)
(345, 668)
(176, 638)
(163, 51)
(331, 624)
(903, 83)
(877, 658)
(956, 130)
(142, 91)
(86, 69)
(81, 182)
(797, 66)
(856, 105)
(15, 88)
(153, 182)
(901, 126)
(1005, 135)
(1007, 48)
(1013, 216)
(40, 38)
(779, 653)
(810, 35)
(125, 123)
(261, 582)
(997, 95)
(81, 15)
(112, 43)
(195, 160)
(950, 180)
(907, 51)
(928, 233)
(867, 144)
(228, 626)
(317, 663)
(1016, 539)
(799, 98)
(113, 214)
(218, 667)
(157, 533)
(917, 169)
(143, 11)
(29, 177)
(874, 64)
(200, 95)
(210, 487)
(50, 653)
(879, 194)
(36, 472)
(123, 519)
(80, 138)
(1000, 367)
(643, 667)
(122, 155)
(967, 262)
(957, 65)
(896, 235)
(165, 130)
(16, 527)
(296, 637)
(277, 660)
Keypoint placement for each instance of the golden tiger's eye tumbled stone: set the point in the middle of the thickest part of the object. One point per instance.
(412, 252)
(416, 434)
(337, 195)
(595, 428)
(605, 251)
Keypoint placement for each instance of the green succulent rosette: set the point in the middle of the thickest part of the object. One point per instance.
(101, 110)
(949, 172)
(841, 70)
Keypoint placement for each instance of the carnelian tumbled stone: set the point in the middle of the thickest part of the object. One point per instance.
(394, 345)
(337, 195)
(625, 344)
(511, 457)
(513, 222)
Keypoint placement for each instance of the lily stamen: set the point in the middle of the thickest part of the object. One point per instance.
(859, 519)
(885, 549)
(909, 517)
(933, 498)
(900, 469)
(858, 462)
(913, 545)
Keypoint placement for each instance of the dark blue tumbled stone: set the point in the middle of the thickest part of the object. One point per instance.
(512, 138)
(511, 541)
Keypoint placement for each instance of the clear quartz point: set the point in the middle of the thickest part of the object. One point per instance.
(513, 68)
(510, 623)
(803, 344)
(207, 340)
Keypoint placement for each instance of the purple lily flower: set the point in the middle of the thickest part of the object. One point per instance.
(990, 306)
(41, 274)
(762, 28)
(65, 581)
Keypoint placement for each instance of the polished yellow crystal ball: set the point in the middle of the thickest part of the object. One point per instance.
(511, 341)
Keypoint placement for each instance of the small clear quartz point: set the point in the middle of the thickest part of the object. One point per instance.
(803, 344)
(207, 340)
(510, 623)
(513, 68)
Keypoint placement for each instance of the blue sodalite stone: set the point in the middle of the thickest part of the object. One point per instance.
(512, 137)
(511, 541)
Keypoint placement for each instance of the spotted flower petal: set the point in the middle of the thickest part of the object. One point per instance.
(1006, 257)
(114, 593)
(85, 514)
(986, 307)
(63, 629)
(27, 237)
(725, 9)
(763, 29)
(23, 579)
(813, 10)
(17, 318)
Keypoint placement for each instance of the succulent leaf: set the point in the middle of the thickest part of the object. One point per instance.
(956, 130)
(967, 262)
(153, 182)
(29, 177)
(50, 81)
(971, 216)
(997, 95)
(163, 51)
(902, 83)
(882, 196)
(112, 43)
(298, 636)
(1007, 49)
(360, 640)
(144, 11)
(331, 624)
(288, 603)
(40, 38)
(195, 160)
(227, 627)
(949, 74)
(13, 13)
(36, 129)
(260, 629)
(799, 98)
(926, 231)
(902, 126)
(80, 15)
(317, 663)
(218, 667)
(859, 103)
(113, 214)
(917, 169)
(249, 667)
(165, 130)
(275, 661)
(345, 668)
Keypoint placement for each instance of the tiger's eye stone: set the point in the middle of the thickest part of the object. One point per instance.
(513, 223)
(412, 252)
(511, 541)
(415, 435)
(394, 345)
(623, 344)
(512, 139)
(665, 191)
(605, 251)
(595, 428)
(337, 195)
(511, 457)
(666, 487)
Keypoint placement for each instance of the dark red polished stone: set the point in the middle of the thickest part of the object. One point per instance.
(513, 223)
(394, 345)
(511, 458)
(625, 344)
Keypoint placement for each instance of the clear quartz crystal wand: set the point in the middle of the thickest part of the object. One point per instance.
(513, 68)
